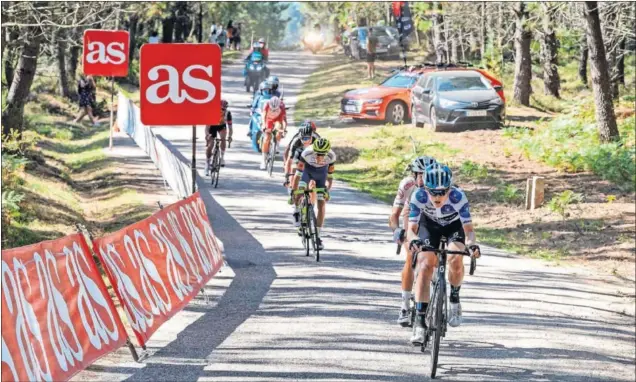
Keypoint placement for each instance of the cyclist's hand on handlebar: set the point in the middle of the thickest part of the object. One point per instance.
(474, 251)
(398, 235)
(416, 245)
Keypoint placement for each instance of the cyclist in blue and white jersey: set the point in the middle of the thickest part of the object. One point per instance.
(439, 209)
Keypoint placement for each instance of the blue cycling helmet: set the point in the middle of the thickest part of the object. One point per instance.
(438, 177)
(273, 81)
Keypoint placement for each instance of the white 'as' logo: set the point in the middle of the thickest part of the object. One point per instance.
(100, 53)
(175, 94)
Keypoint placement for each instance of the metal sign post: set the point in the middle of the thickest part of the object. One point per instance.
(194, 158)
(112, 108)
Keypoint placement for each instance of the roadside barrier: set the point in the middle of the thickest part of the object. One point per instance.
(159, 264)
(57, 317)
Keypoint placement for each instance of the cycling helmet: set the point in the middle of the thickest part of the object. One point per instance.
(264, 86)
(273, 82)
(438, 177)
(321, 146)
(305, 129)
(309, 124)
(420, 163)
(224, 104)
(274, 103)
(261, 40)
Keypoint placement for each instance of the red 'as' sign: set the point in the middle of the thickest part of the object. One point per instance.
(180, 84)
(106, 53)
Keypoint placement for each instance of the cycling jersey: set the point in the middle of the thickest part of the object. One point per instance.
(309, 157)
(272, 116)
(454, 208)
(404, 192)
(296, 145)
(212, 130)
(309, 168)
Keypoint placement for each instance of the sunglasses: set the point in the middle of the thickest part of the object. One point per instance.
(305, 139)
(437, 192)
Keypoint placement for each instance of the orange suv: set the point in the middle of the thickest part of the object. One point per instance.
(391, 100)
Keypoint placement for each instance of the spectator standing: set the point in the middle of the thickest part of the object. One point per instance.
(86, 90)
(372, 43)
(154, 37)
(230, 33)
(221, 38)
(237, 36)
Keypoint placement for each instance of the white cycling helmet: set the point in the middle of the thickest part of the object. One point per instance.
(274, 103)
(420, 163)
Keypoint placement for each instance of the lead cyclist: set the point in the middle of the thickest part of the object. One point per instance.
(437, 210)
(410, 183)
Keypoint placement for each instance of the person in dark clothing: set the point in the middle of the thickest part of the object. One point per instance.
(237, 36)
(86, 91)
(372, 43)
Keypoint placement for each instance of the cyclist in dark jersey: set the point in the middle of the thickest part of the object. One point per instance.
(220, 128)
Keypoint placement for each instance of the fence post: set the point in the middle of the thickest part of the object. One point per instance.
(81, 229)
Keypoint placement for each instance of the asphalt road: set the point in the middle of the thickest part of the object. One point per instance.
(277, 315)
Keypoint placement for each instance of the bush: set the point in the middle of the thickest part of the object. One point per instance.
(508, 193)
(471, 171)
(561, 203)
(571, 144)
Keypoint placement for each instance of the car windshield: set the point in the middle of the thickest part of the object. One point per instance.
(450, 84)
(381, 32)
(400, 81)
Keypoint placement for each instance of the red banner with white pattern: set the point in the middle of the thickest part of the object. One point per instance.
(156, 266)
(57, 315)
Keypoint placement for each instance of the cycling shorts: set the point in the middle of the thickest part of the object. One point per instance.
(431, 232)
(318, 175)
(211, 131)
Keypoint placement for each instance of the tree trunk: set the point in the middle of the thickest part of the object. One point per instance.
(605, 117)
(438, 36)
(8, 59)
(620, 64)
(454, 47)
(60, 53)
(523, 63)
(482, 32)
(132, 47)
(583, 60)
(13, 115)
(551, 80)
(167, 29)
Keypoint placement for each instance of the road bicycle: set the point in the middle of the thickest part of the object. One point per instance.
(273, 149)
(436, 318)
(308, 223)
(215, 160)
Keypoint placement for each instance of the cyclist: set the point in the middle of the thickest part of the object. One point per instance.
(273, 113)
(414, 180)
(304, 137)
(439, 209)
(212, 130)
(316, 163)
(273, 82)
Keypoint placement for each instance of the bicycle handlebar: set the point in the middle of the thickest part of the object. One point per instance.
(308, 191)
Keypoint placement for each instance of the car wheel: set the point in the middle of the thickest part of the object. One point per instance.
(395, 113)
(414, 120)
(434, 125)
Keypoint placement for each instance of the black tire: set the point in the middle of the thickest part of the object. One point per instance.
(436, 335)
(214, 171)
(473, 266)
(272, 156)
(434, 125)
(313, 224)
(308, 233)
(396, 113)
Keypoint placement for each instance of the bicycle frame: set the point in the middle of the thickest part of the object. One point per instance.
(309, 222)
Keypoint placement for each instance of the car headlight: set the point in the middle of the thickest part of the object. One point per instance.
(446, 104)
(496, 101)
(373, 101)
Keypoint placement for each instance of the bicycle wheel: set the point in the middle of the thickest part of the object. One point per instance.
(272, 156)
(308, 237)
(314, 228)
(437, 324)
(215, 168)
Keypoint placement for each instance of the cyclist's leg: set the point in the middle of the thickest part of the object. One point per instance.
(267, 138)
(320, 179)
(302, 184)
(407, 270)
(426, 263)
(209, 144)
(313, 196)
(223, 134)
(456, 242)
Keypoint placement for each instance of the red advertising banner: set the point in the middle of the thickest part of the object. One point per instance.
(159, 264)
(180, 84)
(57, 316)
(106, 52)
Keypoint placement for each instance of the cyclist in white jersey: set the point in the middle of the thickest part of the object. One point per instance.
(401, 209)
(437, 210)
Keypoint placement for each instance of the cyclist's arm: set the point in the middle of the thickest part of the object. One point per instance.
(330, 172)
(399, 202)
(300, 167)
(228, 121)
(415, 211)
